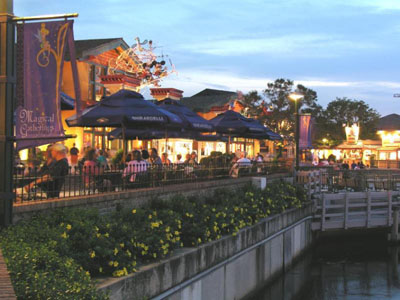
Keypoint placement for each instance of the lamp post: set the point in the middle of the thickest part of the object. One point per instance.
(296, 97)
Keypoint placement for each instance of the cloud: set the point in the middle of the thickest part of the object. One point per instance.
(380, 5)
(193, 80)
(309, 45)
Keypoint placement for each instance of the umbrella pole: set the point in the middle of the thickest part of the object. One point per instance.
(166, 140)
(229, 143)
(123, 144)
(245, 140)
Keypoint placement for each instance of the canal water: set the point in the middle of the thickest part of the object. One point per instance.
(350, 268)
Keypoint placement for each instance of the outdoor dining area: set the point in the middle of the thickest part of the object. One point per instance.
(133, 118)
(361, 180)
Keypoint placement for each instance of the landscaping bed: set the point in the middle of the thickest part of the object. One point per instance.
(56, 256)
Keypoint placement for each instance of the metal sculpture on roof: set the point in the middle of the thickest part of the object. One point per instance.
(141, 62)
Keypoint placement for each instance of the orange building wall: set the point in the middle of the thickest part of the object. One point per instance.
(68, 84)
(78, 131)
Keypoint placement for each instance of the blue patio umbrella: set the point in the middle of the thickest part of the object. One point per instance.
(191, 120)
(234, 124)
(125, 108)
(237, 125)
(268, 134)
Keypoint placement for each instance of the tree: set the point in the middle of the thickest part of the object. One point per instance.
(281, 118)
(344, 111)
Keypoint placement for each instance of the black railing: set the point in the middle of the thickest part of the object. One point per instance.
(39, 184)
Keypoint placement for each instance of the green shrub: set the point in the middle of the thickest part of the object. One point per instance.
(38, 271)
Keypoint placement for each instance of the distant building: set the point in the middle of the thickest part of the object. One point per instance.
(389, 131)
(209, 102)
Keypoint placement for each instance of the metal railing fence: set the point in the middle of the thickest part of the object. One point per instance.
(35, 184)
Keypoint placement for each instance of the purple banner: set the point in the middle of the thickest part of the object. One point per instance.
(38, 114)
(305, 132)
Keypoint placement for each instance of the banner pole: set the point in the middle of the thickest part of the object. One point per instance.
(7, 87)
(45, 17)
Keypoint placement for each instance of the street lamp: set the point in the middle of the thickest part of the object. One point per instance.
(296, 97)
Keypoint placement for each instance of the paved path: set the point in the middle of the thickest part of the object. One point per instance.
(6, 288)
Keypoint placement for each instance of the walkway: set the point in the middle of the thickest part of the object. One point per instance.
(6, 288)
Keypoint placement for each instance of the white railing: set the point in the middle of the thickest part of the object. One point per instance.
(355, 210)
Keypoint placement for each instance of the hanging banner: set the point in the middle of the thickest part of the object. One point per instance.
(305, 124)
(38, 113)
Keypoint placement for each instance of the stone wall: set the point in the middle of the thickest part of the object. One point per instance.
(230, 268)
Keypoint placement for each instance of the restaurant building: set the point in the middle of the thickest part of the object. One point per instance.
(383, 153)
(211, 102)
(388, 155)
(93, 58)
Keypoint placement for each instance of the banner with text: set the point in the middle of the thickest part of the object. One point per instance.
(38, 113)
(305, 124)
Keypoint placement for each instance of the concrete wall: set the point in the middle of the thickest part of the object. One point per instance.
(230, 268)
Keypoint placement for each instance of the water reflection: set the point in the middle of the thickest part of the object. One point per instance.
(341, 268)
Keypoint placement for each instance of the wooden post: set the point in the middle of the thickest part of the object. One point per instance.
(368, 208)
(323, 213)
(124, 152)
(346, 209)
(394, 236)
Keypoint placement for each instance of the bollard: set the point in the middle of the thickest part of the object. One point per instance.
(394, 236)
(259, 182)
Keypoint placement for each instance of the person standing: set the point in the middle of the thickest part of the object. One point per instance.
(74, 152)
(193, 159)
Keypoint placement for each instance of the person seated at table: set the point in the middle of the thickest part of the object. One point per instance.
(136, 169)
(52, 181)
(165, 160)
(193, 159)
(187, 159)
(179, 159)
(91, 167)
(145, 155)
(243, 162)
(102, 160)
(154, 158)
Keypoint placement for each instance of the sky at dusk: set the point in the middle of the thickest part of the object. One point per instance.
(339, 48)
